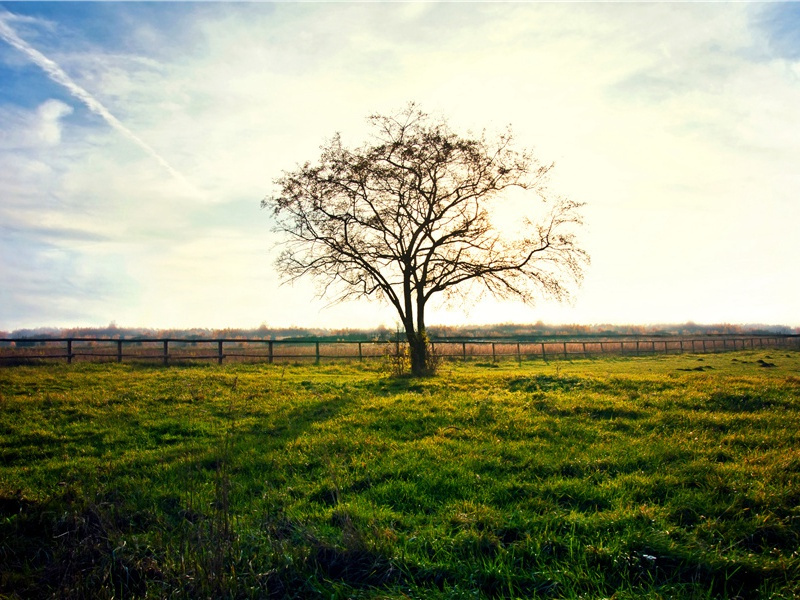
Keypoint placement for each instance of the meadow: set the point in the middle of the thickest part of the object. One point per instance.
(630, 477)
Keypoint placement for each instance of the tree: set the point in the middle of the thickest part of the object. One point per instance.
(407, 217)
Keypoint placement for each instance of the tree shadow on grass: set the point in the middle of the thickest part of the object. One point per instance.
(284, 426)
(393, 386)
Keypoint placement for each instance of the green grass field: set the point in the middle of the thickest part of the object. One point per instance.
(658, 477)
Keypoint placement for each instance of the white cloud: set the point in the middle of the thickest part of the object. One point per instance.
(25, 129)
(59, 76)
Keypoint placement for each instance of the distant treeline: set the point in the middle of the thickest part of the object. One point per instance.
(498, 331)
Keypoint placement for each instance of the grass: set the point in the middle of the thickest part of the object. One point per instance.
(657, 477)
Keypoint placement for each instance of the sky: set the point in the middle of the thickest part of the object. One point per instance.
(137, 141)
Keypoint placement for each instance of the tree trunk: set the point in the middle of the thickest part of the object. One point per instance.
(420, 354)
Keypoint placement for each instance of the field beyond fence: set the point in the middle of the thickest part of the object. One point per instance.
(24, 350)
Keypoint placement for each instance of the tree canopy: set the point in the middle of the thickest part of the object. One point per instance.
(408, 216)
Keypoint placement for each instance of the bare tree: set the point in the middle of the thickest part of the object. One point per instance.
(407, 216)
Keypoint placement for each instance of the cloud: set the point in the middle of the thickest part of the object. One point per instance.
(57, 74)
(24, 129)
(48, 279)
(51, 234)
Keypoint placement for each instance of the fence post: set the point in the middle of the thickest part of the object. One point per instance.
(316, 344)
(464, 351)
(119, 351)
(494, 356)
(584, 348)
(519, 354)
(219, 352)
(360, 355)
(166, 352)
(565, 349)
(69, 351)
(269, 346)
(637, 347)
(544, 356)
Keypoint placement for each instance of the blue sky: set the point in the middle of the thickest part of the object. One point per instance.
(137, 140)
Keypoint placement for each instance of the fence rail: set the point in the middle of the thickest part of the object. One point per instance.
(172, 350)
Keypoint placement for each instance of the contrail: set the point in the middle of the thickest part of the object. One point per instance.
(58, 75)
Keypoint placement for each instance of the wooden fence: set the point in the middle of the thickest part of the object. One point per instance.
(166, 351)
